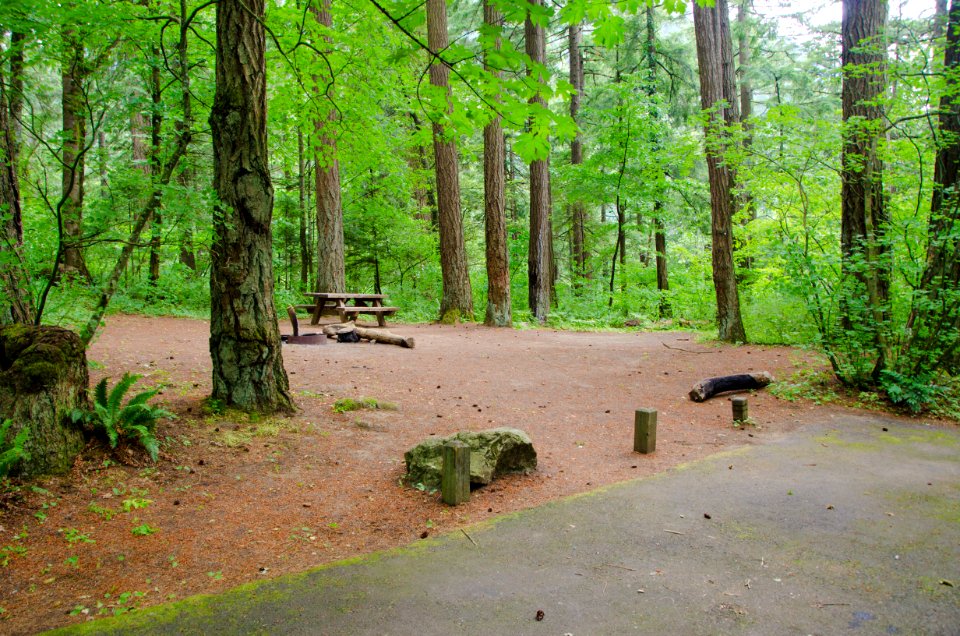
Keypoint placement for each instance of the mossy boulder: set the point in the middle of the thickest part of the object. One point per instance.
(43, 378)
(492, 453)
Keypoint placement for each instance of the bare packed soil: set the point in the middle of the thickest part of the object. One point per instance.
(236, 498)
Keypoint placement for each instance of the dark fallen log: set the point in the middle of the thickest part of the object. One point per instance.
(706, 389)
(377, 335)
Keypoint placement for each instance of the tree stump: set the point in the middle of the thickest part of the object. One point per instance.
(43, 377)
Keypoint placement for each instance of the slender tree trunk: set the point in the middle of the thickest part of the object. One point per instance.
(244, 337)
(578, 209)
(306, 254)
(659, 230)
(331, 272)
(424, 194)
(864, 216)
(495, 221)
(660, 244)
(72, 263)
(156, 162)
(538, 256)
(188, 254)
(457, 299)
(718, 98)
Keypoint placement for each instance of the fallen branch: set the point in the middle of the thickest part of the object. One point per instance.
(469, 537)
(706, 389)
(686, 350)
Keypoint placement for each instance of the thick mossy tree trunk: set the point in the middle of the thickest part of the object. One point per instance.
(244, 337)
(43, 377)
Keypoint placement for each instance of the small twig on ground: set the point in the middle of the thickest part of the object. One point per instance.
(469, 537)
(673, 531)
(685, 350)
(820, 605)
(622, 567)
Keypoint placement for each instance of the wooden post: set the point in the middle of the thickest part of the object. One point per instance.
(455, 475)
(645, 431)
(739, 409)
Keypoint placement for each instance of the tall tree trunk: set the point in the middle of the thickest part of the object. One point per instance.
(718, 98)
(495, 220)
(15, 96)
(538, 255)
(188, 254)
(156, 163)
(578, 209)
(331, 272)
(932, 328)
(244, 337)
(423, 192)
(16, 302)
(457, 299)
(746, 110)
(660, 244)
(306, 254)
(659, 230)
(73, 74)
(864, 216)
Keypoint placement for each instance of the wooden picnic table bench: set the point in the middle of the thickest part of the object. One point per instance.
(348, 306)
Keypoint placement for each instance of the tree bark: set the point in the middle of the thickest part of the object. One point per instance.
(538, 254)
(73, 74)
(746, 110)
(244, 336)
(578, 209)
(331, 271)
(457, 299)
(16, 303)
(932, 340)
(659, 230)
(718, 98)
(495, 220)
(864, 216)
(156, 164)
(43, 377)
(306, 254)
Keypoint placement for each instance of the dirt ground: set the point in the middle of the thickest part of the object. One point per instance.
(235, 499)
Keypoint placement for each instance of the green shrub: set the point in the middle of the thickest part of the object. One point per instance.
(133, 422)
(13, 451)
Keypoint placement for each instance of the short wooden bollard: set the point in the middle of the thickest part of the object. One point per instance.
(739, 409)
(645, 431)
(455, 474)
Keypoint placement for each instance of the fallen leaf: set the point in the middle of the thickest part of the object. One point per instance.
(947, 583)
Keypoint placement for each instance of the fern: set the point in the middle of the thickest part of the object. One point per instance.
(135, 421)
(14, 452)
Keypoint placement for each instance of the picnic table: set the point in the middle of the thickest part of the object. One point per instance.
(347, 306)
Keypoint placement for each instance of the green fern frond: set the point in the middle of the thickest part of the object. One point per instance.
(100, 393)
(120, 389)
(142, 398)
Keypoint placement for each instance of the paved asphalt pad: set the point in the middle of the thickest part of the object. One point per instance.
(848, 527)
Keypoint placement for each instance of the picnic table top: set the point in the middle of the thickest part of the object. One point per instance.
(344, 296)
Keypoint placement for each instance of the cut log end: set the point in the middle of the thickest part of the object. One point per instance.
(375, 335)
(706, 389)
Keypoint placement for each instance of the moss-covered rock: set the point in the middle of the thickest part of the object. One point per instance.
(492, 453)
(43, 377)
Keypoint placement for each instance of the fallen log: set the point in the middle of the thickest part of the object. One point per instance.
(705, 389)
(377, 335)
